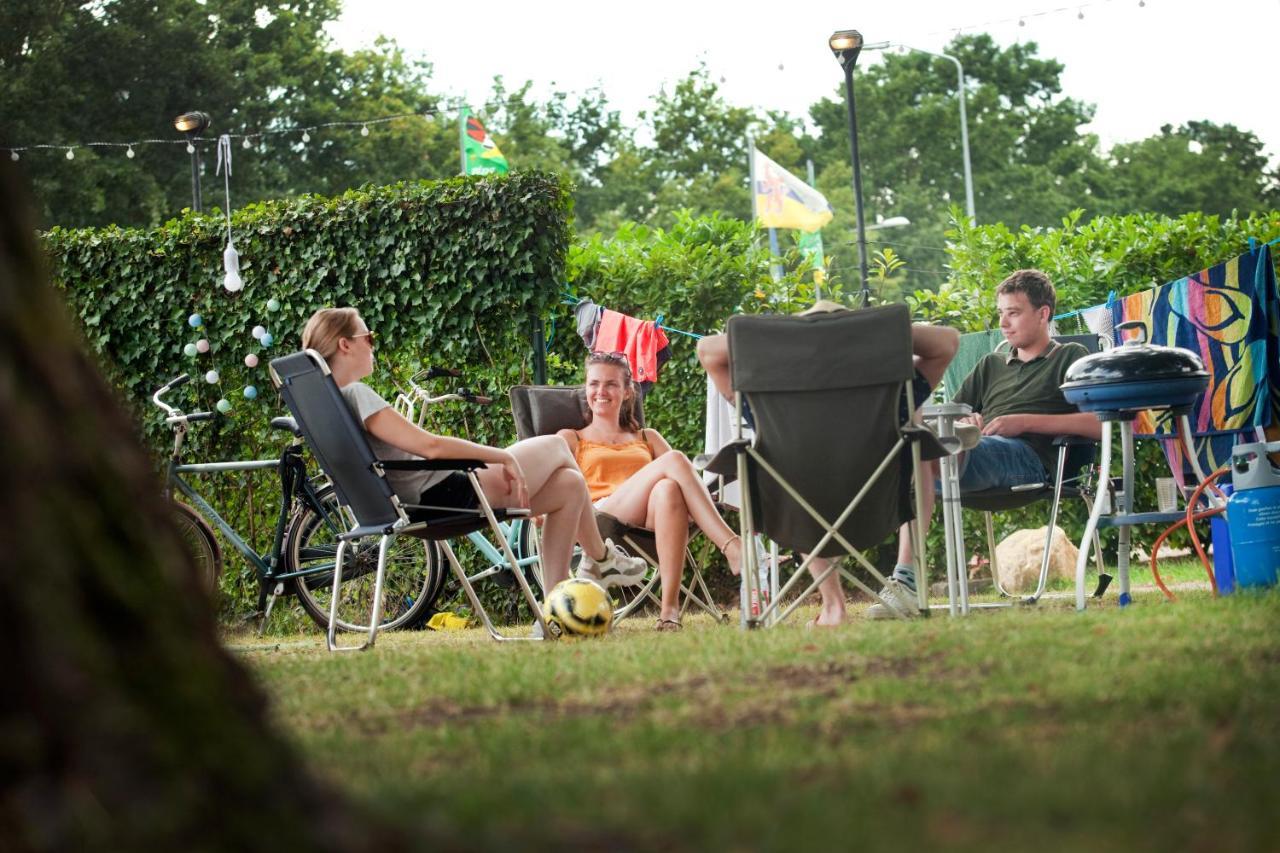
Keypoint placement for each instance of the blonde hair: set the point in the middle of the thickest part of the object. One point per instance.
(326, 326)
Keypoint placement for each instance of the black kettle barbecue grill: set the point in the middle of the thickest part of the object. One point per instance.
(1115, 385)
(1118, 383)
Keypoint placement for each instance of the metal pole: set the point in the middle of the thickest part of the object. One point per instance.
(857, 187)
(964, 123)
(196, 201)
(539, 352)
(817, 286)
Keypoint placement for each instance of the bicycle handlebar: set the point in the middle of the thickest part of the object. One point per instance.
(175, 416)
(176, 382)
(435, 373)
(464, 395)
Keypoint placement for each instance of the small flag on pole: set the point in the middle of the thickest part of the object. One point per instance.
(784, 201)
(480, 155)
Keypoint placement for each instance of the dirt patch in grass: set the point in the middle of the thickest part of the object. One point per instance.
(717, 704)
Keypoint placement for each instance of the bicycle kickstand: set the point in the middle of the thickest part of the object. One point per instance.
(271, 602)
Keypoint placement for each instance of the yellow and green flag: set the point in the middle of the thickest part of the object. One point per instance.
(784, 201)
(480, 154)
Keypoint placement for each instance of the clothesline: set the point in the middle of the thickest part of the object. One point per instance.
(568, 298)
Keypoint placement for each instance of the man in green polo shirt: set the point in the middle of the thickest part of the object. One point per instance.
(1019, 408)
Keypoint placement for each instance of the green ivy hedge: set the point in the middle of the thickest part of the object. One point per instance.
(450, 272)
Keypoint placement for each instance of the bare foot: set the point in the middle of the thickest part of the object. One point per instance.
(733, 553)
(828, 618)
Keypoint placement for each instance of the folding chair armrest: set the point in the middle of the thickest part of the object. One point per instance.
(1073, 441)
(430, 464)
(932, 445)
(725, 461)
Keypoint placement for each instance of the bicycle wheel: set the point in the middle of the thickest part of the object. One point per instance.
(413, 575)
(200, 544)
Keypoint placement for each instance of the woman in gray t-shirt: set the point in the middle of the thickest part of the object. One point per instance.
(538, 473)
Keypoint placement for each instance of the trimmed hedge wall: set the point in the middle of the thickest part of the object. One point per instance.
(446, 272)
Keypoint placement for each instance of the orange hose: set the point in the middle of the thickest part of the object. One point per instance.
(1195, 538)
(1191, 517)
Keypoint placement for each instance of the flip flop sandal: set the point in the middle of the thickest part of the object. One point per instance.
(668, 625)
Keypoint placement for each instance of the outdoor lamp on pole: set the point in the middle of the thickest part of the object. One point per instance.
(846, 45)
(891, 222)
(193, 124)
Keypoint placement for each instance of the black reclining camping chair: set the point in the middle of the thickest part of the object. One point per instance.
(340, 446)
(1072, 478)
(547, 409)
(829, 472)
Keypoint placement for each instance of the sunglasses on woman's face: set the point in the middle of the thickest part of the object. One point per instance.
(368, 335)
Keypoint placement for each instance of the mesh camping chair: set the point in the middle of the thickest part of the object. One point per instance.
(339, 445)
(1070, 479)
(547, 409)
(831, 465)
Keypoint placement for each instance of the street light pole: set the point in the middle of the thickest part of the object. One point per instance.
(846, 45)
(193, 124)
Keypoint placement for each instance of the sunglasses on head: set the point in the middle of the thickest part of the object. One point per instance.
(612, 357)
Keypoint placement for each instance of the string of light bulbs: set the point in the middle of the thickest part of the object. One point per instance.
(1022, 18)
(247, 137)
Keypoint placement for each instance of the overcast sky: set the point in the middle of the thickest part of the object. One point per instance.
(1142, 63)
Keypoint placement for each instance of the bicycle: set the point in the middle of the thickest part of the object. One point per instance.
(304, 541)
(521, 534)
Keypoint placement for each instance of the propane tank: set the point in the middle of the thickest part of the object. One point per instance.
(1253, 514)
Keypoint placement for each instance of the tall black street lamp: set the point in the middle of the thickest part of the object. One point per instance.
(193, 124)
(846, 45)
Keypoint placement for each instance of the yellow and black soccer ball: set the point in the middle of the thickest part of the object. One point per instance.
(579, 607)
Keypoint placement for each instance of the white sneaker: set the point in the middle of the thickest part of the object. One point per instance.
(902, 600)
(618, 568)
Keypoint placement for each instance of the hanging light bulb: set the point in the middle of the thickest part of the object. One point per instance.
(71, 154)
(128, 152)
(14, 156)
(246, 143)
(231, 265)
(1021, 22)
(191, 149)
(1080, 15)
(364, 130)
(306, 137)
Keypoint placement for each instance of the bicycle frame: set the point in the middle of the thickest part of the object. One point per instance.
(498, 562)
(293, 481)
(266, 564)
(413, 404)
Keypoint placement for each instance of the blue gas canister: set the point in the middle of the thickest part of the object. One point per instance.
(1253, 515)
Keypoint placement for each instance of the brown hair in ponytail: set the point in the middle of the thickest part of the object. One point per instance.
(627, 414)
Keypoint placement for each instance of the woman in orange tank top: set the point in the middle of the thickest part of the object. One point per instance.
(635, 476)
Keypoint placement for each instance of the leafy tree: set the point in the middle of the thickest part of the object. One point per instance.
(122, 69)
(1030, 162)
(1199, 166)
(699, 154)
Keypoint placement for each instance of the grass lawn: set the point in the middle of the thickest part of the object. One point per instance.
(1156, 727)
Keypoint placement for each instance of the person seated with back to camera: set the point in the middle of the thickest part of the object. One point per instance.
(1017, 405)
(635, 476)
(537, 473)
(932, 348)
